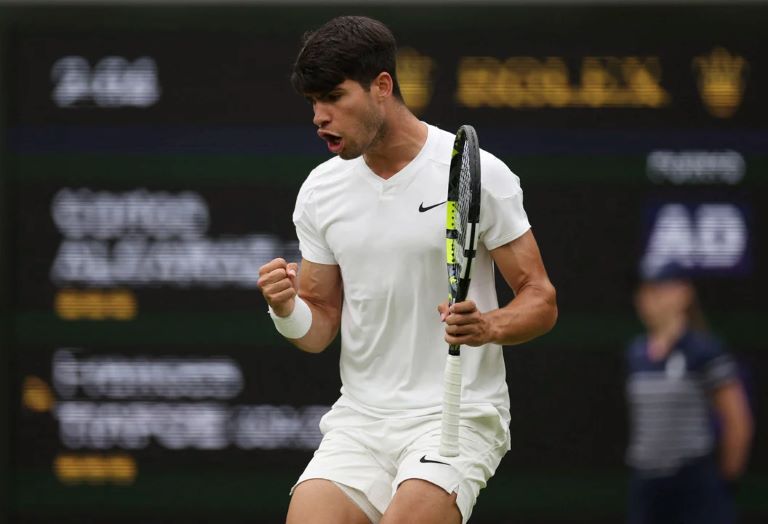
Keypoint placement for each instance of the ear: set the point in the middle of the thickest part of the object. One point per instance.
(383, 84)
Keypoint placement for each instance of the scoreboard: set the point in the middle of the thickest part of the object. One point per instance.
(150, 161)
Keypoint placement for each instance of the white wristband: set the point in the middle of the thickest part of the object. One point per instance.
(295, 325)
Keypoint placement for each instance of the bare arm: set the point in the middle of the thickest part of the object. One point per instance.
(320, 286)
(731, 406)
(530, 314)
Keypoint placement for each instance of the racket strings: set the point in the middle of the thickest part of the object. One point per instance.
(465, 198)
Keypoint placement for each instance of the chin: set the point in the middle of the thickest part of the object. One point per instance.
(347, 154)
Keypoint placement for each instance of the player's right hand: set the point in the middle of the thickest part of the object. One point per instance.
(279, 285)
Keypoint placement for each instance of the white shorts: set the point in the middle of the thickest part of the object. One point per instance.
(369, 457)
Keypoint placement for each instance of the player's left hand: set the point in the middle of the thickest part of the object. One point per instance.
(464, 324)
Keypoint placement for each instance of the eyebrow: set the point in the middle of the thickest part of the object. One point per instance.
(324, 94)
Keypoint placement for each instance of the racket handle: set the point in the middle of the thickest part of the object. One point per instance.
(449, 438)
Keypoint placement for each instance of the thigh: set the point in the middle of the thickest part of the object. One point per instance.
(652, 500)
(483, 441)
(420, 502)
(319, 501)
(639, 499)
(703, 498)
(346, 457)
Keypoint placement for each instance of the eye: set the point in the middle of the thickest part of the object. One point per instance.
(333, 96)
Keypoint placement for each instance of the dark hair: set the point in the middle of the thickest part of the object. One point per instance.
(348, 47)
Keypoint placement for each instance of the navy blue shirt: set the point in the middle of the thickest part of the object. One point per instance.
(669, 401)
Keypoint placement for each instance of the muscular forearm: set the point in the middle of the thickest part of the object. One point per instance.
(325, 326)
(316, 316)
(532, 313)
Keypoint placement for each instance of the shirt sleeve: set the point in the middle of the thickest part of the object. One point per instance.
(717, 366)
(502, 216)
(312, 243)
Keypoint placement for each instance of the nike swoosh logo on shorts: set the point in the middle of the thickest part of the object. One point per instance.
(422, 209)
(425, 460)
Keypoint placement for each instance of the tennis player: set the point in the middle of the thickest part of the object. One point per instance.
(371, 229)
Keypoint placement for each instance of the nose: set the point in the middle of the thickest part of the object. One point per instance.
(322, 116)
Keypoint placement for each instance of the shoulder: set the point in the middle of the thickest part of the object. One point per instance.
(702, 347)
(497, 178)
(326, 175)
(322, 184)
(330, 170)
(440, 152)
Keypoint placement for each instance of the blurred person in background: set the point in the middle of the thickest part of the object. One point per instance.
(690, 423)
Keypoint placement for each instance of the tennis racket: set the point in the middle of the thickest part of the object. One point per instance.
(462, 229)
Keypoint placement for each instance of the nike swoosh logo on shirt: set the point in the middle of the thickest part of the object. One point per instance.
(425, 460)
(422, 208)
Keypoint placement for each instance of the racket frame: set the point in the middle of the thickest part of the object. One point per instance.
(460, 253)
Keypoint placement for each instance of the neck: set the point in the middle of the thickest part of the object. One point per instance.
(663, 337)
(402, 137)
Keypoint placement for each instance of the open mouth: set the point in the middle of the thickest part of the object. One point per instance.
(334, 142)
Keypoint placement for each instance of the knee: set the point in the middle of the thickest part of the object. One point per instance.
(321, 501)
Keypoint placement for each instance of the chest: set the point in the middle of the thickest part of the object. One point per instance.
(382, 228)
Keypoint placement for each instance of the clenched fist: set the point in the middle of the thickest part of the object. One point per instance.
(279, 285)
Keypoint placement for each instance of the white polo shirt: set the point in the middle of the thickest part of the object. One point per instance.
(389, 243)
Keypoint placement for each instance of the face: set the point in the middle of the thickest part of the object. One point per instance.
(659, 302)
(348, 118)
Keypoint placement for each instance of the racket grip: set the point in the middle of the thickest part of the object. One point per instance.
(449, 438)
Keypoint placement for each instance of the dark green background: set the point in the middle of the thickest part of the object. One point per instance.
(240, 131)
